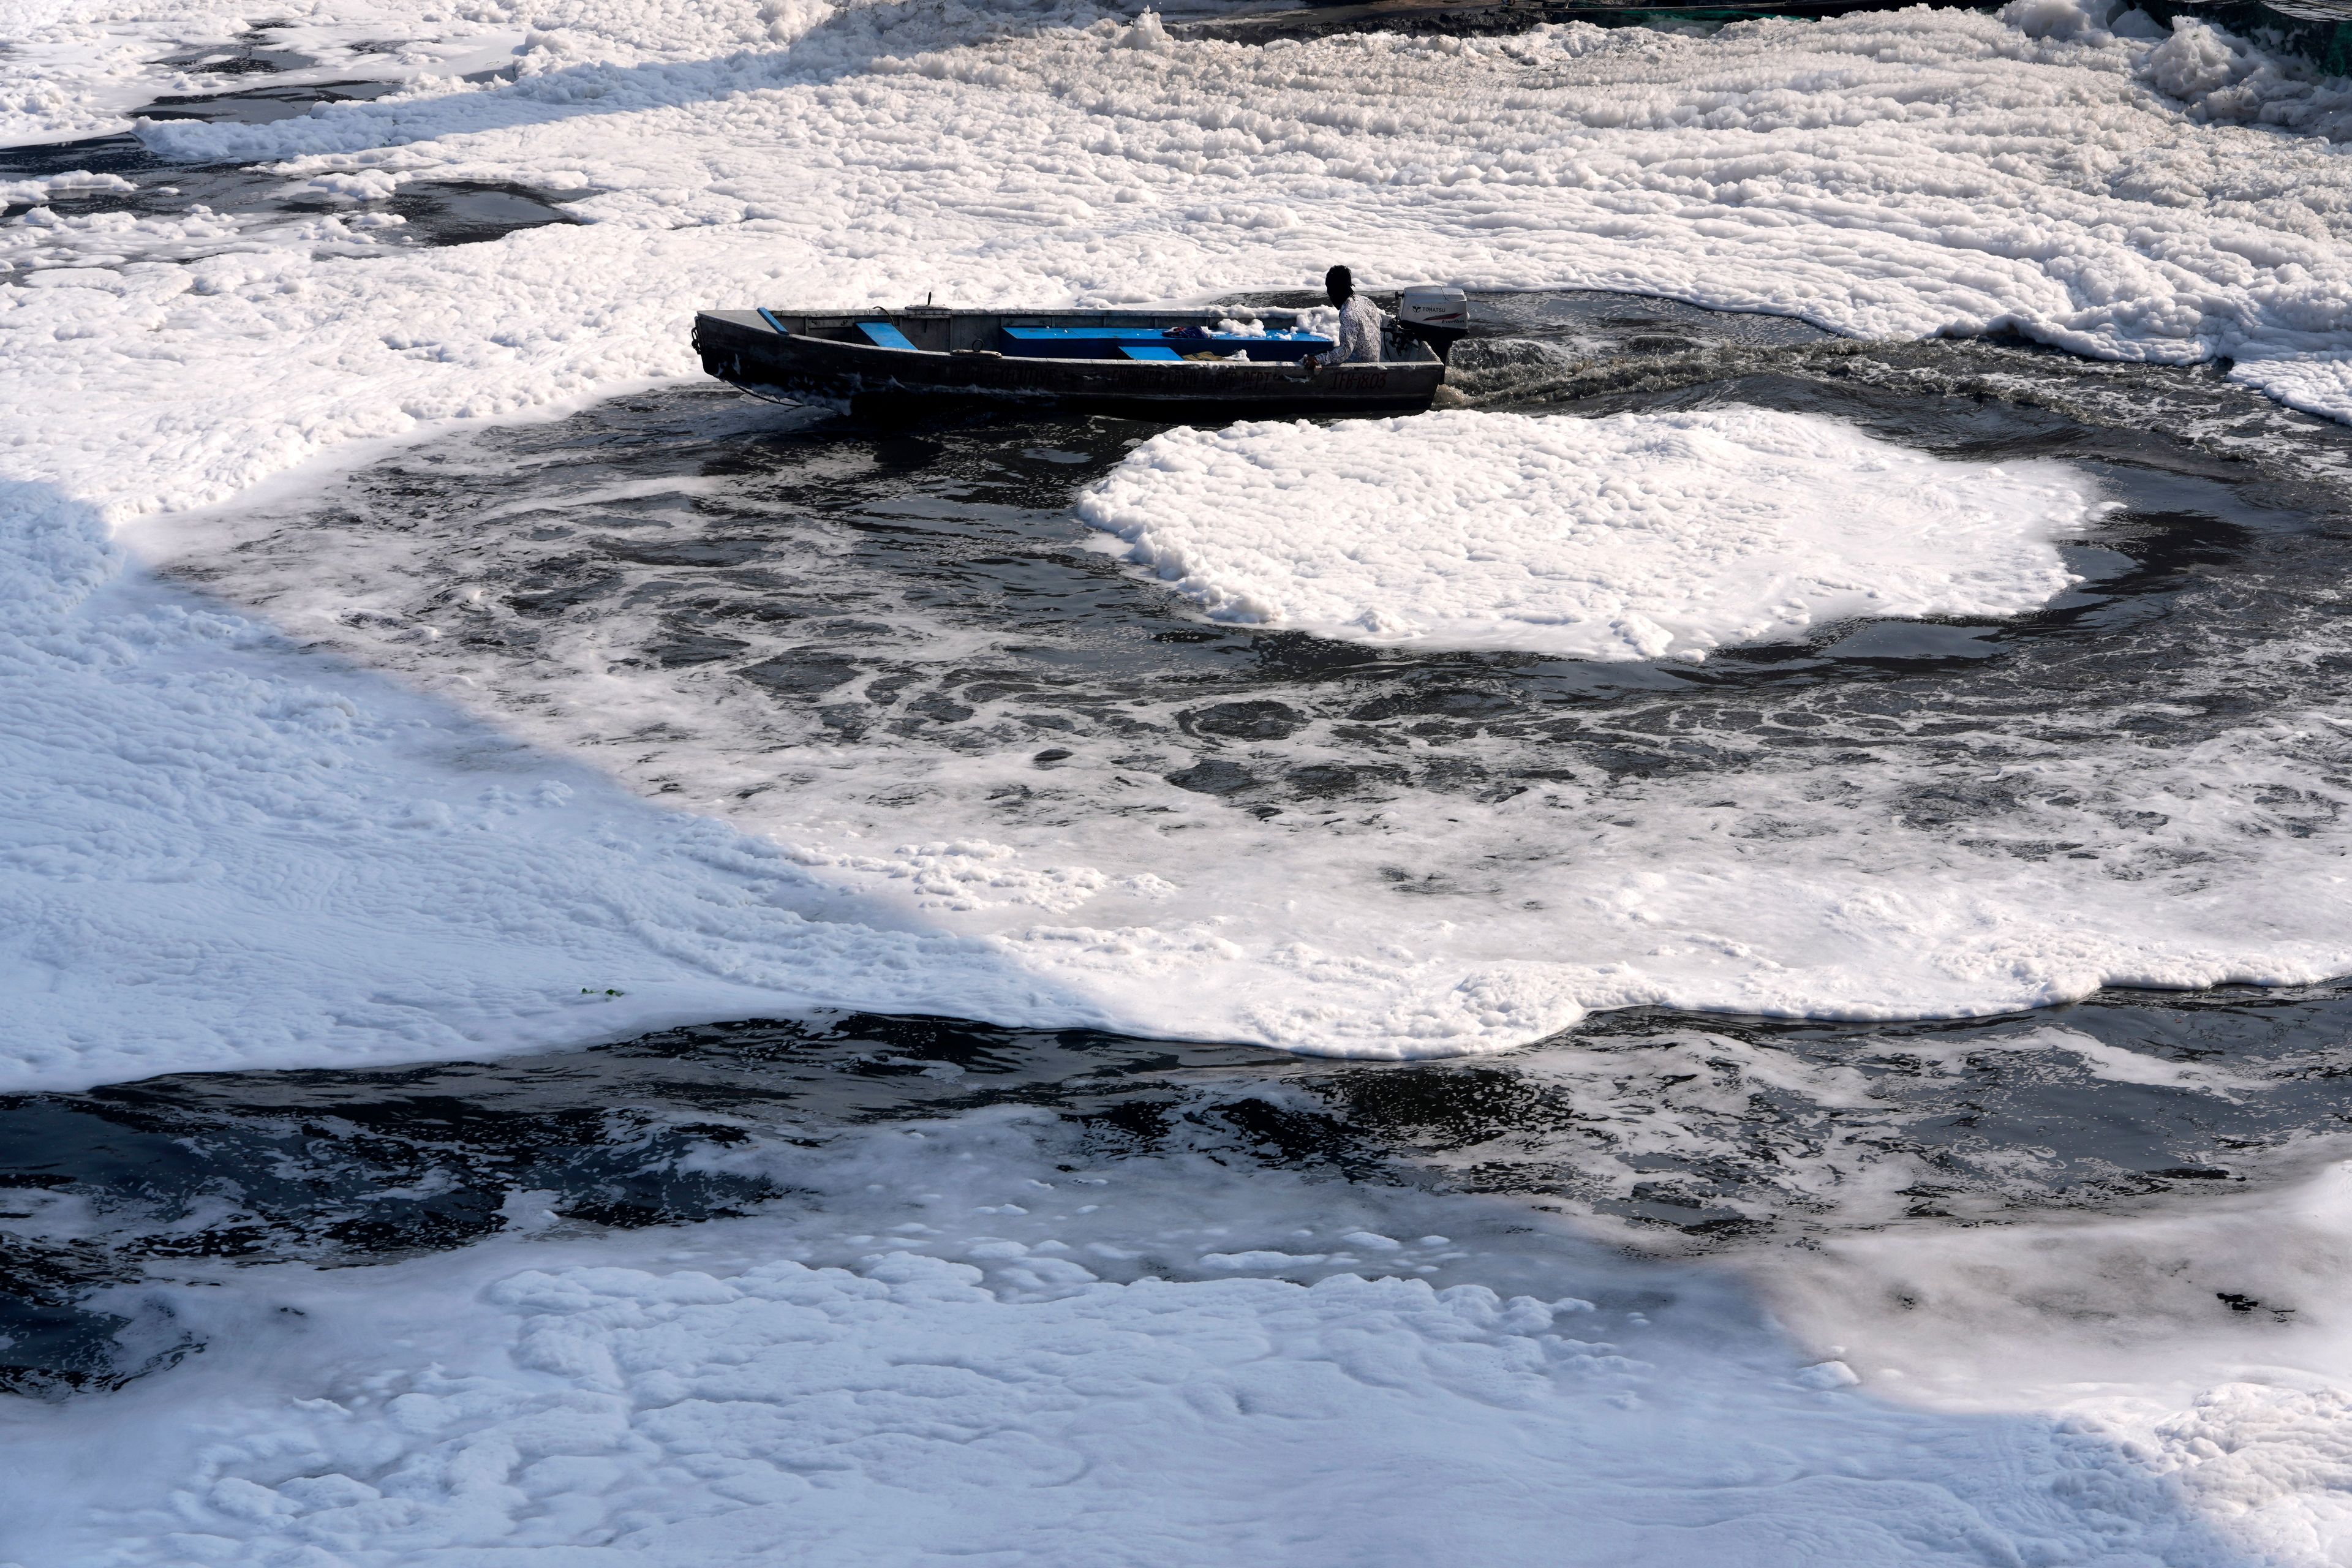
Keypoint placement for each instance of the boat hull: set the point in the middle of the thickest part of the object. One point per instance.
(786, 357)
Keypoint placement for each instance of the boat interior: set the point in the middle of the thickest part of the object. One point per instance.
(1159, 336)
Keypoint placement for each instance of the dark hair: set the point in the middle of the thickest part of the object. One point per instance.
(1339, 283)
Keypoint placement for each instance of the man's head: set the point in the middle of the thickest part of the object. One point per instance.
(1339, 283)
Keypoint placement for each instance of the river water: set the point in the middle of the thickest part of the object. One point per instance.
(705, 593)
(1827, 1245)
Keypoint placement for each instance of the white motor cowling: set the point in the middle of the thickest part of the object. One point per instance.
(1435, 313)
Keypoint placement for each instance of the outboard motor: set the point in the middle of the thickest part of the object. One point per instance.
(1434, 314)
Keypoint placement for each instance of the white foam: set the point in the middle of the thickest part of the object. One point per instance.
(1639, 536)
(215, 852)
(1887, 175)
(1074, 1389)
(83, 69)
(39, 191)
(1408, 922)
(1412, 918)
(2206, 1339)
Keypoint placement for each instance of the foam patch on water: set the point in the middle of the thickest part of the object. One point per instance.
(1640, 536)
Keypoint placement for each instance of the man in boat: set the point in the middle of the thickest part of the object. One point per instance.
(1361, 322)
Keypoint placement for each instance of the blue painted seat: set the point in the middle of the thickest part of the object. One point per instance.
(883, 335)
(1111, 342)
(1151, 353)
(1097, 334)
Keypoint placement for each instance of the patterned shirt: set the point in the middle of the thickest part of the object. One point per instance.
(1360, 333)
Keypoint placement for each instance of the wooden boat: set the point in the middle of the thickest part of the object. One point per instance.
(1154, 365)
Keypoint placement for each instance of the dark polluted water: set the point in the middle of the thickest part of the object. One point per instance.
(695, 591)
(1682, 1134)
(141, 205)
(927, 589)
(191, 211)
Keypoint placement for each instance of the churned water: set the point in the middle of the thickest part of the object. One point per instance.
(702, 590)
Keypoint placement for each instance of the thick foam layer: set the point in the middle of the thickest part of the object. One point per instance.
(2209, 1340)
(981, 1338)
(1640, 536)
(78, 70)
(218, 852)
(1885, 174)
(905, 670)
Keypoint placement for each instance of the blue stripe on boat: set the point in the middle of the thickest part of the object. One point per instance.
(1150, 352)
(883, 335)
(1149, 335)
